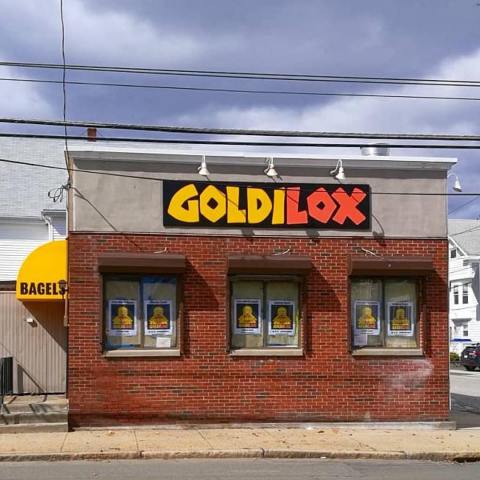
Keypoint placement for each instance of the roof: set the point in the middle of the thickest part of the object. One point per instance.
(466, 233)
(24, 189)
(181, 153)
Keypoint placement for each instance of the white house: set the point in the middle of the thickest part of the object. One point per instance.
(464, 253)
(32, 337)
(28, 217)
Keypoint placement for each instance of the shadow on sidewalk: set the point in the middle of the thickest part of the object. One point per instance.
(465, 411)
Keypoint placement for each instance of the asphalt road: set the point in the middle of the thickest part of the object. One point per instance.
(465, 388)
(248, 469)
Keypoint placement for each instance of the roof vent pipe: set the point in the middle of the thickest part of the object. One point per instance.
(376, 149)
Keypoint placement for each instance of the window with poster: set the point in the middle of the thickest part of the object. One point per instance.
(140, 313)
(265, 313)
(384, 313)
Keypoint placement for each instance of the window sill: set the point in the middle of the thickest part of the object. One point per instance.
(142, 353)
(388, 352)
(267, 352)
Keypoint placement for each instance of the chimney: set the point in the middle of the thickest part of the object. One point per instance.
(376, 149)
(91, 134)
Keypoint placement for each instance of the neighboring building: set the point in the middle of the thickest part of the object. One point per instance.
(28, 217)
(242, 297)
(34, 335)
(464, 259)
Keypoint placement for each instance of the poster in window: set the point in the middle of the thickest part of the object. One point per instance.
(281, 317)
(400, 319)
(122, 318)
(247, 316)
(367, 318)
(158, 317)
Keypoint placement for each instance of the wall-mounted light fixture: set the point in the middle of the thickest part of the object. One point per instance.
(202, 169)
(338, 172)
(270, 170)
(62, 284)
(457, 186)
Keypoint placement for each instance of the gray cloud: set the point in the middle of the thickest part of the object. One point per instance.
(372, 37)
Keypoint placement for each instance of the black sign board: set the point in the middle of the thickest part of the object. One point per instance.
(260, 205)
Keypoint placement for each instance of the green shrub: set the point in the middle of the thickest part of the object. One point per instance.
(454, 357)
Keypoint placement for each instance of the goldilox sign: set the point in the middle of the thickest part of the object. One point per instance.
(329, 206)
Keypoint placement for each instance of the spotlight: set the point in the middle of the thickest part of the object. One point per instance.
(457, 186)
(338, 172)
(270, 170)
(202, 169)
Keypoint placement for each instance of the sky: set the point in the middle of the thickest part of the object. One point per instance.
(409, 38)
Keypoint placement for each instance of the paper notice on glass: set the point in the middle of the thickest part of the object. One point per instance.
(281, 317)
(247, 316)
(360, 339)
(159, 317)
(367, 317)
(163, 342)
(401, 319)
(122, 318)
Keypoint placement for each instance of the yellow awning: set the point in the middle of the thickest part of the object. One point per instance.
(41, 272)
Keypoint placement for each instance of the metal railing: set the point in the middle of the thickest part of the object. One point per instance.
(6, 377)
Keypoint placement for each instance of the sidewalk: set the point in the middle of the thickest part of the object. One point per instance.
(317, 441)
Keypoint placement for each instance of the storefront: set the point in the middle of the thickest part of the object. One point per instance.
(32, 324)
(238, 296)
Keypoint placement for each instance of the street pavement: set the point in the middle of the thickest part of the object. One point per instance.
(415, 441)
(238, 469)
(465, 395)
(465, 388)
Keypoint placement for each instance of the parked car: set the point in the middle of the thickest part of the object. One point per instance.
(470, 357)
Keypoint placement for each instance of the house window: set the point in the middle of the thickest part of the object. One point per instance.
(265, 313)
(455, 295)
(384, 313)
(465, 288)
(140, 312)
(465, 329)
(453, 253)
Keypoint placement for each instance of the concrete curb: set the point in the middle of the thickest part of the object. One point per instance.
(244, 453)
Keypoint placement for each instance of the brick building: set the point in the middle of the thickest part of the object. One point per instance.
(242, 296)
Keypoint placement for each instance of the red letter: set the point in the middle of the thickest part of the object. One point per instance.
(320, 205)
(347, 206)
(294, 216)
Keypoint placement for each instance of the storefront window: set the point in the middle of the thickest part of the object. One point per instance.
(140, 312)
(384, 313)
(265, 314)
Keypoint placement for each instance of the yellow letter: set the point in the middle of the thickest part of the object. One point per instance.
(178, 211)
(278, 216)
(214, 214)
(234, 214)
(259, 205)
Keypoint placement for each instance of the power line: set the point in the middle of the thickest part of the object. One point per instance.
(242, 143)
(236, 90)
(463, 205)
(63, 82)
(264, 186)
(259, 133)
(252, 75)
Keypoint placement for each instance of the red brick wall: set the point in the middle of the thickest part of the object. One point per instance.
(206, 384)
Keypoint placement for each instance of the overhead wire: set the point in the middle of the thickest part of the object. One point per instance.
(244, 132)
(57, 194)
(242, 91)
(271, 186)
(463, 205)
(251, 75)
(188, 141)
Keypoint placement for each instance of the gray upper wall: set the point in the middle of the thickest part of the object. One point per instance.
(24, 189)
(103, 203)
